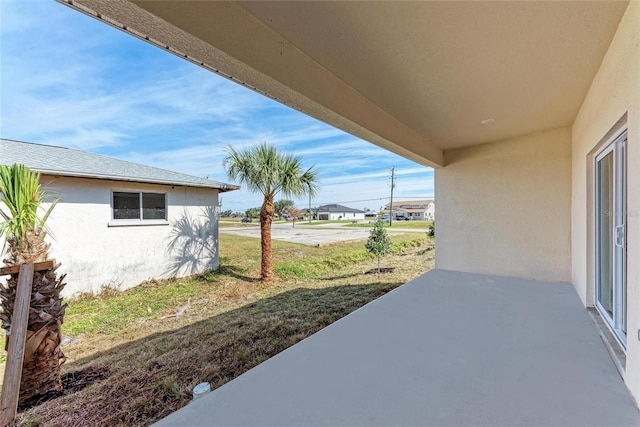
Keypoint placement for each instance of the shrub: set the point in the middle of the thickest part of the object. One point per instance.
(431, 230)
(379, 242)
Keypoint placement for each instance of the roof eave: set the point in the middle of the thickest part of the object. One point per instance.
(221, 188)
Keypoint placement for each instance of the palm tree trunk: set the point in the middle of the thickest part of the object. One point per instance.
(266, 218)
(43, 356)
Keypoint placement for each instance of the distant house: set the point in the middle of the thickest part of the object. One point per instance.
(119, 223)
(413, 209)
(338, 212)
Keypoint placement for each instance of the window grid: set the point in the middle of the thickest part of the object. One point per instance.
(138, 205)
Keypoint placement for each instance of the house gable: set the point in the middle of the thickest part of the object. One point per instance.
(96, 244)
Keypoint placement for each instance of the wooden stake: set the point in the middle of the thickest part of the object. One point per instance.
(15, 353)
(38, 266)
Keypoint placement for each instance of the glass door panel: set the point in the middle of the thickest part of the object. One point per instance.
(604, 203)
(610, 222)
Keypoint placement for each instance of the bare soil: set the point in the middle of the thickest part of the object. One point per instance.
(381, 270)
(72, 382)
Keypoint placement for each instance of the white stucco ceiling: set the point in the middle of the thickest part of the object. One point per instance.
(414, 77)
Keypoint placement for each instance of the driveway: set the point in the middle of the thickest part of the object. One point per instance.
(308, 235)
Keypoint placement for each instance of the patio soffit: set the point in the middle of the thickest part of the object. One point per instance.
(416, 78)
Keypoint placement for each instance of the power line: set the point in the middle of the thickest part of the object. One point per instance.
(353, 201)
(414, 197)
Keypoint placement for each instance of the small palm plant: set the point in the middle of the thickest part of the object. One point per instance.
(24, 231)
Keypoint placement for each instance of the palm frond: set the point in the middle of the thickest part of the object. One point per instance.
(22, 197)
(262, 169)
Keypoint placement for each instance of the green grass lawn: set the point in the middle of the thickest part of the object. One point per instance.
(226, 222)
(417, 225)
(223, 224)
(231, 218)
(318, 222)
(151, 344)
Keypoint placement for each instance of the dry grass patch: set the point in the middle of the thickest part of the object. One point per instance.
(151, 358)
(238, 224)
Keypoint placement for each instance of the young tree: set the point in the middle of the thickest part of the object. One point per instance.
(262, 169)
(252, 212)
(282, 205)
(379, 242)
(431, 230)
(294, 213)
(24, 231)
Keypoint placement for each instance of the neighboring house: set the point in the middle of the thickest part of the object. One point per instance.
(528, 111)
(413, 209)
(397, 213)
(119, 223)
(338, 212)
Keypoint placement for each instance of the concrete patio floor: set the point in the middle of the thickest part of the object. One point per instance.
(448, 348)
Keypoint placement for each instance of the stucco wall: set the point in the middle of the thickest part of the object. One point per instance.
(93, 252)
(613, 101)
(430, 212)
(345, 216)
(504, 207)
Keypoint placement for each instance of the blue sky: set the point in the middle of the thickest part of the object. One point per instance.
(69, 80)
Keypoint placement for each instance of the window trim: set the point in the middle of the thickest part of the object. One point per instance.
(113, 222)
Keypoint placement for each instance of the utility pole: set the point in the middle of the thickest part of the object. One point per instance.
(393, 184)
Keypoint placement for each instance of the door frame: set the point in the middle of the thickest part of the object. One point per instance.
(617, 322)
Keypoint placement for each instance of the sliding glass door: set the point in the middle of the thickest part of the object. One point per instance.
(610, 222)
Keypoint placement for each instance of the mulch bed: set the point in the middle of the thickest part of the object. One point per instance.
(71, 383)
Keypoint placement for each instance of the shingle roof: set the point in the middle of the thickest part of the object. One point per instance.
(337, 208)
(52, 160)
(410, 204)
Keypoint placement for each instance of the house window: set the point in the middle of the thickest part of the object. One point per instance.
(127, 205)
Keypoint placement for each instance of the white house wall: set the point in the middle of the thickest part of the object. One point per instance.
(613, 102)
(504, 208)
(94, 251)
(430, 212)
(345, 215)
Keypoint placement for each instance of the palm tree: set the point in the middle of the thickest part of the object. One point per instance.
(24, 232)
(262, 169)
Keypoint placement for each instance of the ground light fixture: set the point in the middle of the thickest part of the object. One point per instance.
(201, 390)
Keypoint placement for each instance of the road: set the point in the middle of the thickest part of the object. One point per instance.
(312, 235)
